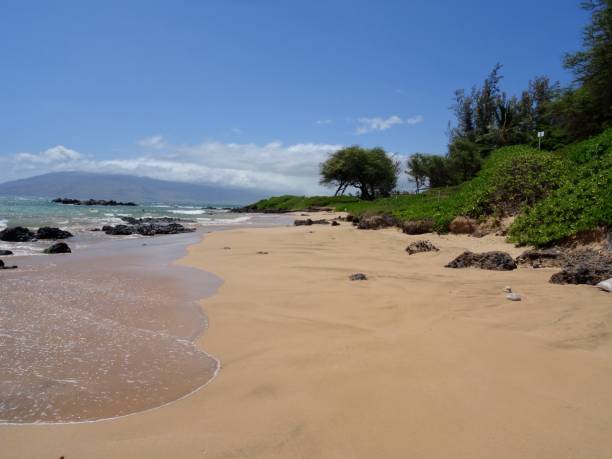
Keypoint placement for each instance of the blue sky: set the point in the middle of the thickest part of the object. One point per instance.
(251, 91)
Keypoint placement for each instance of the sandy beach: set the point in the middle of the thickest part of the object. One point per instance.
(418, 361)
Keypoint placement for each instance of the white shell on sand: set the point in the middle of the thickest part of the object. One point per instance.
(605, 285)
(513, 296)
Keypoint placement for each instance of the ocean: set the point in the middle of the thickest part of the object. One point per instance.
(80, 220)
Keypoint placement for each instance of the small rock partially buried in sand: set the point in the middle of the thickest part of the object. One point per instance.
(513, 296)
(358, 276)
(421, 246)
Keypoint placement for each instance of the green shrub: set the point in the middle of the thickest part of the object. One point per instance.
(582, 202)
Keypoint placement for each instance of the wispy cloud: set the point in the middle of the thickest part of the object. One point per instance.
(382, 124)
(155, 141)
(273, 166)
(53, 155)
(324, 122)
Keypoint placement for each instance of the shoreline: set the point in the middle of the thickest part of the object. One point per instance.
(134, 263)
(418, 360)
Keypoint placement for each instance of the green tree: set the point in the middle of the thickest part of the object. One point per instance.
(371, 170)
(417, 169)
(588, 109)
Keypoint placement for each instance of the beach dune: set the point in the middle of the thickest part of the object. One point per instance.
(417, 361)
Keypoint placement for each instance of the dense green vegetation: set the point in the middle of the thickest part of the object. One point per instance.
(582, 201)
(293, 203)
(554, 194)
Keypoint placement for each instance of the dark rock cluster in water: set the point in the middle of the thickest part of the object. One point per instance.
(17, 234)
(47, 232)
(92, 202)
(495, 260)
(151, 228)
(137, 221)
(23, 234)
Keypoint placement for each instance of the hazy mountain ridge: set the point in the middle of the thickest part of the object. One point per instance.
(84, 185)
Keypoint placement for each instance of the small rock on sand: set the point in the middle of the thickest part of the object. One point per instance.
(58, 247)
(513, 296)
(421, 246)
(358, 276)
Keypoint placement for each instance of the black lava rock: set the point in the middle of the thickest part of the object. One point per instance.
(47, 232)
(17, 234)
(58, 247)
(496, 261)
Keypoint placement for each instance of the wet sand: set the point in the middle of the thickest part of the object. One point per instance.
(417, 361)
(102, 332)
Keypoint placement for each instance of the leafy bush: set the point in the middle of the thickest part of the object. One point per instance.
(512, 179)
(290, 202)
(582, 202)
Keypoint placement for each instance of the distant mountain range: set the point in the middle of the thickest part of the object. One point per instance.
(83, 185)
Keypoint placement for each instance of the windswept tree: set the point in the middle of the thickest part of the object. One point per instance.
(370, 170)
(416, 168)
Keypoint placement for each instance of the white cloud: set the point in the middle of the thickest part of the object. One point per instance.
(52, 155)
(274, 166)
(155, 141)
(323, 122)
(382, 124)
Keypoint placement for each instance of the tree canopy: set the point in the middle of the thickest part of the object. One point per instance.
(487, 118)
(370, 170)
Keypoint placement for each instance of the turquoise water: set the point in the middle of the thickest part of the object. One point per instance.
(80, 220)
(36, 212)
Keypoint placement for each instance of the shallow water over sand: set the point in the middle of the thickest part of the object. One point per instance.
(101, 333)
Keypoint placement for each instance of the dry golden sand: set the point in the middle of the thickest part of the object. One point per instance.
(419, 361)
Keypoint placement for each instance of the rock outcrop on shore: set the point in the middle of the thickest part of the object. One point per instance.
(309, 221)
(92, 202)
(58, 247)
(495, 260)
(543, 258)
(5, 252)
(584, 267)
(417, 226)
(47, 232)
(17, 234)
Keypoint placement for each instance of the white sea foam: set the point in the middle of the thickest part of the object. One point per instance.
(223, 221)
(188, 212)
(3, 224)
